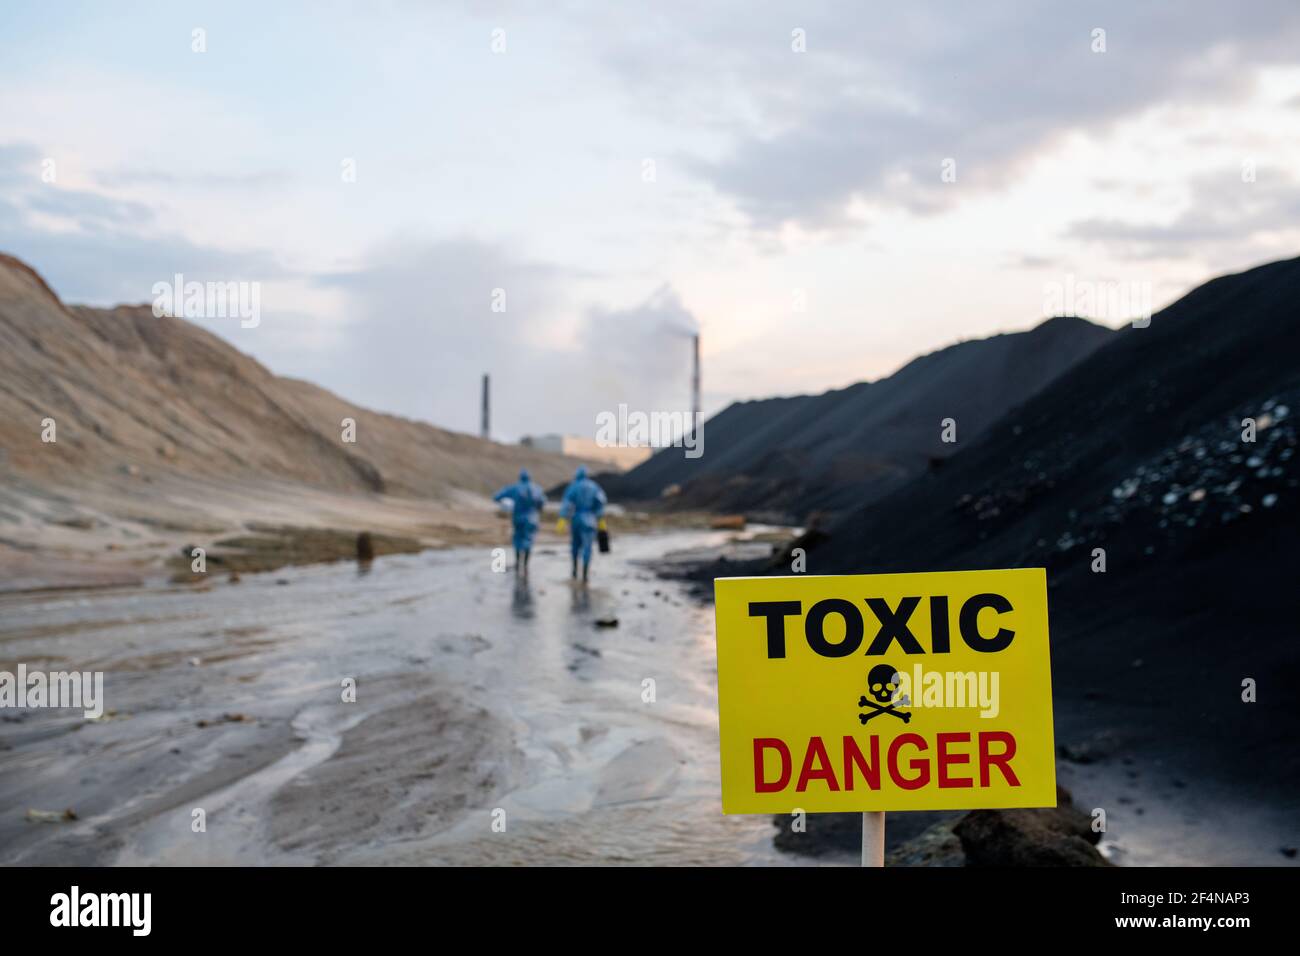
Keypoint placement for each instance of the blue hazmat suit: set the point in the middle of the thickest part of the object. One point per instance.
(583, 504)
(528, 498)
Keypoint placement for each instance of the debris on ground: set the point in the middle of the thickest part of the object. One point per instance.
(728, 523)
(225, 719)
(51, 816)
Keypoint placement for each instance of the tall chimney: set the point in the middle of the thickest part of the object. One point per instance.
(695, 382)
(486, 431)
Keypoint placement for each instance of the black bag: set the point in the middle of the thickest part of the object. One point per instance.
(602, 540)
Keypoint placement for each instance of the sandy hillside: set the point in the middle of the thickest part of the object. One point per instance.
(163, 429)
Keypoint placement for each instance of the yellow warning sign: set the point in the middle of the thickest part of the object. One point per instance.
(885, 692)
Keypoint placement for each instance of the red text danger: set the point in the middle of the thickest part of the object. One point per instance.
(909, 762)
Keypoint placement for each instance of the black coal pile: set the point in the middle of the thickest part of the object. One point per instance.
(1169, 536)
(1212, 476)
(838, 450)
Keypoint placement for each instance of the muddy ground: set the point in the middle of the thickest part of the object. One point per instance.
(481, 701)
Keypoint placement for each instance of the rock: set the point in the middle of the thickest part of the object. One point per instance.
(607, 622)
(810, 539)
(936, 846)
(1055, 836)
(80, 523)
(225, 719)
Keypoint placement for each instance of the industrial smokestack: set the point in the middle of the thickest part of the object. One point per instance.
(695, 382)
(486, 428)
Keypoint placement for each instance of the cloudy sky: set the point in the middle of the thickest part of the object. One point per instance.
(824, 189)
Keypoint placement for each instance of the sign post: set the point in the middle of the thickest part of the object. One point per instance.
(881, 692)
(873, 838)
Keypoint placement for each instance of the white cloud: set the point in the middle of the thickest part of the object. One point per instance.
(777, 172)
(422, 331)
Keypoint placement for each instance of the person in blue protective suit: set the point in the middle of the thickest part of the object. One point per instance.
(528, 499)
(583, 508)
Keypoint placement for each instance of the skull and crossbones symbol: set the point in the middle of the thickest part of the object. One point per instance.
(882, 682)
